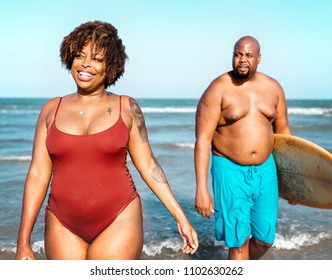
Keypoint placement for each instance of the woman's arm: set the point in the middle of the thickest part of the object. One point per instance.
(35, 188)
(154, 176)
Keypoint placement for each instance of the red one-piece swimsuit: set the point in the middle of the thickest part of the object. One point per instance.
(91, 183)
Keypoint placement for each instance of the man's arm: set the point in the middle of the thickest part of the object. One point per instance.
(207, 117)
(281, 125)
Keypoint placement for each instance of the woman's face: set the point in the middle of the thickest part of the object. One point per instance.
(89, 69)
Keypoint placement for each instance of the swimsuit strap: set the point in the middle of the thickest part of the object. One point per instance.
(57, 108)
(120, 106)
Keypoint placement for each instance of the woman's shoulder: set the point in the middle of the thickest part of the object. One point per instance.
(55, 101)
(124, 97)
(49, 108)
(127, 102)
(50, 103)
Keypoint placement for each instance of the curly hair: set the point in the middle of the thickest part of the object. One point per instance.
(103, 37)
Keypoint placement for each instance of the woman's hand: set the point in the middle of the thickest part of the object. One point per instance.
(24, 252)
(189, 236)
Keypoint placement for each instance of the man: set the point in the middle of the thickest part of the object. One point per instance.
(236, 119)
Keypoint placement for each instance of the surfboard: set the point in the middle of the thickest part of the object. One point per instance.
(304, 171)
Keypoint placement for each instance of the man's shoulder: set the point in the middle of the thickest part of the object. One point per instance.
(218, 87)
(266, 77)
(269, 82)
(222, 79)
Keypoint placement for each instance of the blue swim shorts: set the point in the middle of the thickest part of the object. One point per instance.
(245, 201)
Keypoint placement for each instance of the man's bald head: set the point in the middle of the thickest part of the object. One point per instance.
(250, 40)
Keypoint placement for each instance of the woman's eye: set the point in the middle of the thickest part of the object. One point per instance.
(99, 59)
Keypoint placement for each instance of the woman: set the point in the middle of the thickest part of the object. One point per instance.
(81, 143)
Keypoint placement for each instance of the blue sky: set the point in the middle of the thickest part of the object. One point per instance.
(176, 48)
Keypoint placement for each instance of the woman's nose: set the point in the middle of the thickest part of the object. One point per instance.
(86, 62)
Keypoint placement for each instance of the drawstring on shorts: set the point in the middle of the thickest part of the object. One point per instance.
(251, 170)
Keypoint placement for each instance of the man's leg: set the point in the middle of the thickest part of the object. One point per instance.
(257, 249)
(239, 253)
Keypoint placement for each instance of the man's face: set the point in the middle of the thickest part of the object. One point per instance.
(246, 58)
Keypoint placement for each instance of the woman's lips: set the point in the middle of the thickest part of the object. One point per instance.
(84, 76)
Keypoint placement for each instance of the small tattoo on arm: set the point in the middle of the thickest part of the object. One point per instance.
(138, 119)
(202, 105)
(203, 102)
(157, 172)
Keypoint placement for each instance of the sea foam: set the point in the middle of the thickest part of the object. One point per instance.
(152, 249)
(169, 110)
(309, 111)
(296, 241)
(15, 158)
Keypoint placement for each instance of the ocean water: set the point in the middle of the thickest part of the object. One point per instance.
(303, 232)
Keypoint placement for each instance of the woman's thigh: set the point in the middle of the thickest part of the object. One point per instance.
(123, 239)
(61, 243)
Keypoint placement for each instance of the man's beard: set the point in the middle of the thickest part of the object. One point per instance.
(241, 76)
